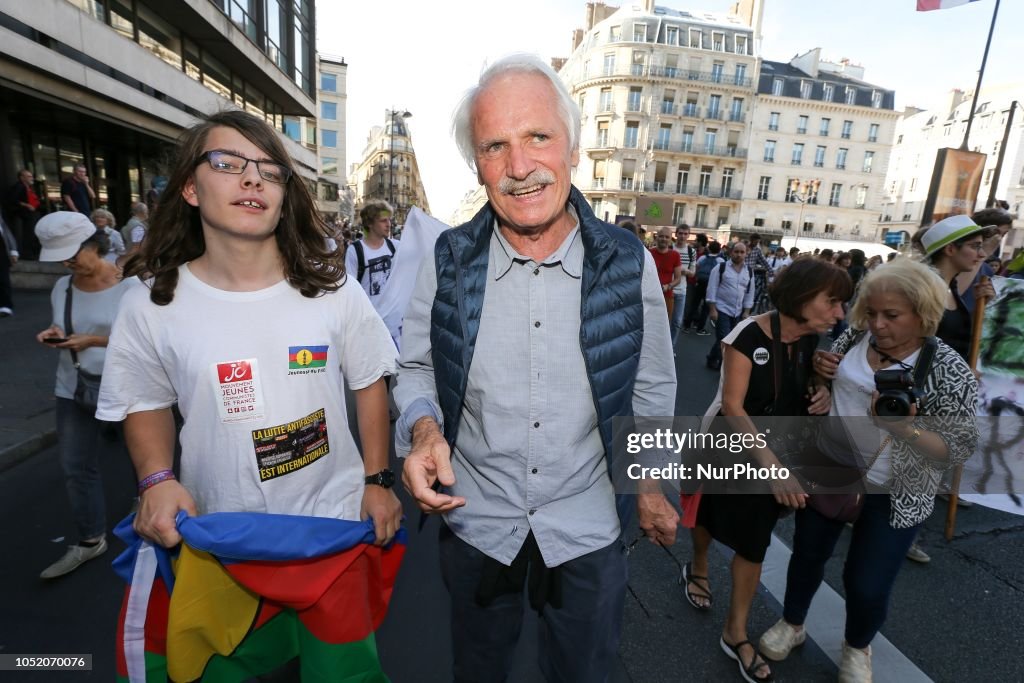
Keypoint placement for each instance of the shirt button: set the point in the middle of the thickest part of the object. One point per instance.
(537, 324)
(536, 424)
(536, 271)
(531, 512)
(533, 471)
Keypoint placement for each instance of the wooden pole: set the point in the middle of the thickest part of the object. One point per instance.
(976, 326)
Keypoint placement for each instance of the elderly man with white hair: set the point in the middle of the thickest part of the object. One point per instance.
(531, 328)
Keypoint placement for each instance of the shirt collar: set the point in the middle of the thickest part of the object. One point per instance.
(568, 255)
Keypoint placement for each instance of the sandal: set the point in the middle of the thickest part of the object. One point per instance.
(687, 579)
(733, 651)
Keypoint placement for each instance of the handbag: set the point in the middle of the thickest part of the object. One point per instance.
(87, 388)
(844, 507)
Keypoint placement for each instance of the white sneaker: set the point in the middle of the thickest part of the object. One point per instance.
(73, 559)
(4, 312)
(778, 641)
(855, 666)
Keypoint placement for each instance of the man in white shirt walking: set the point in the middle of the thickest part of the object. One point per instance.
(730, 298)
(369, 260)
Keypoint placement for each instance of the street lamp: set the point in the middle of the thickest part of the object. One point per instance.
(392, 113)
(802, 191)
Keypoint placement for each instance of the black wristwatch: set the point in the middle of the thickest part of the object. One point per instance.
(385, 479)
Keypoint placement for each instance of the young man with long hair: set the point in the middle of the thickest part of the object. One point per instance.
(249, 324)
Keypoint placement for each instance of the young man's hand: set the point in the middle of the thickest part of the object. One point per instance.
(383, 507)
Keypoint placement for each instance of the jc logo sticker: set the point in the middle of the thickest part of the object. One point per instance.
(761, 356)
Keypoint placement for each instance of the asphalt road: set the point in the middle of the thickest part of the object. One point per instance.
(956, 619)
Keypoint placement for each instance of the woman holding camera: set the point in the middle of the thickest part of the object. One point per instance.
(767, 372)
(898, 309)
(88, 299)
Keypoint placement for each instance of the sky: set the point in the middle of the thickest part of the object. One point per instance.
(421, 56)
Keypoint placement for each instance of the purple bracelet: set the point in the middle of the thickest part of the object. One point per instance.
(154, 479)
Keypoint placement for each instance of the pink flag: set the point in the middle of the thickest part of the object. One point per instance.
(929, 5)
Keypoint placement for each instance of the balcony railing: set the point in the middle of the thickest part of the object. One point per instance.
(668, 108)
(639, 70)
(737, 116)
(691, 110)
(605, 108)
(692, 191)
(627, 184)
(713, 113)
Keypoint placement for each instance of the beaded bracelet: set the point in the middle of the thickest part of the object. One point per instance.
(154, 479)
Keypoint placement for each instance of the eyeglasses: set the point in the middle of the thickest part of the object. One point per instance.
(227, 162)
(975, 246)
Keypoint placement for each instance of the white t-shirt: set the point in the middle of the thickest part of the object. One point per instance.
(851, 397)
(378, 266)
(91, 313)
(258, 378)
(687, 258)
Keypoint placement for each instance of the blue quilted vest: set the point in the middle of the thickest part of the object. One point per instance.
(611, 313)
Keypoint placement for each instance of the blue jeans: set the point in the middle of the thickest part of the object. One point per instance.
(723, 326)
(876, 554)
(678, 309)
(81, 441)
(579, 641)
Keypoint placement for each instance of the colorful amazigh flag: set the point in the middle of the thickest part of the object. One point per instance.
(929, 5)
(301, 357)
(249, 592)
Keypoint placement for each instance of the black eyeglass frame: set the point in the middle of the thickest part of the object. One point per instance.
(208, 158)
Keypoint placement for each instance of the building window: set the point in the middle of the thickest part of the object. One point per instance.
(664, 136)
(833, 197)
(672, 35)
(704, 184)
(763, 187)
(609, 64)
(723, 216)
(851, 95)
(805, 89)
(599, 173)
(786, 225)
(801, 125)
(841, 158)
(716, 72)
(715, 107)
(869, 160)
(769, 150)
(827, 92)
(823, 130)
(741, 75)
(626, 177)
(862, 197)
(700, 219)
(329, 166)
(602, 133)
(773, 121)
(758, 222)
(615, 34)
(292, 128)
(717, 41)
(329, 82)
(710, 138)
(741, 44)
(687, 139)
(819, 157)
(808, 226)
(873, 134)
(328, 138)
(329, 111)
(639, 33)
(668, 100)
(696, 38)
(777, 85)
(678, 213)
(876, 99)
(847, 130)
(727, 176)
(682, 178)
(633, 103)
(736, 113)
(798, 153)
(632, 134)
(159, 37)
(639, 60)
(605, 104)
(830, 228)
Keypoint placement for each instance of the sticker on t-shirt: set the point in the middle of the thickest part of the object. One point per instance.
(761, 355)
(289, 447)
(239, 390)
(307, 360)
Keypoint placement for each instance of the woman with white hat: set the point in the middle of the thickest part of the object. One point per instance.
(952, 246)
(88, 299)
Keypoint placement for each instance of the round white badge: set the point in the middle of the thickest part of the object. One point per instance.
(761, 356)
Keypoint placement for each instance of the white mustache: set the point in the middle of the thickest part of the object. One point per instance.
(539, 177)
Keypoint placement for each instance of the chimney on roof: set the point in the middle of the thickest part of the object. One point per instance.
(577, 38)
(649, 6)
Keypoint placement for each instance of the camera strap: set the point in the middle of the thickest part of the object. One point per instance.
(67, 320)
(924, 361)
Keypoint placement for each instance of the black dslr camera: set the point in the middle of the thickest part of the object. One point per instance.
(900, 389)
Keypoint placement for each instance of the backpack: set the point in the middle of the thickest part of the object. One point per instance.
(361, 256)
(750, 272)
(705, 267)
